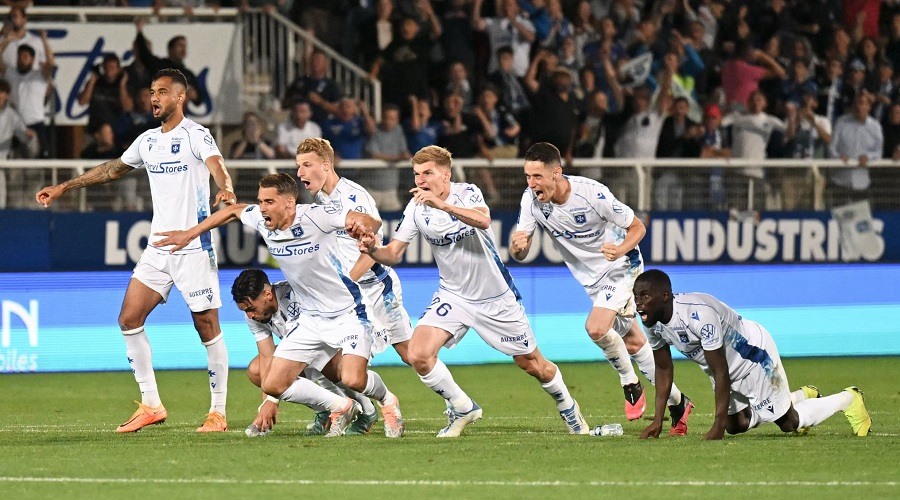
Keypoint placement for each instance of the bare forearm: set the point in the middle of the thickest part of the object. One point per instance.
(363, 264)
(216, 166)
(385, 255)
(470, 216)
(664, 375)
(101, 174)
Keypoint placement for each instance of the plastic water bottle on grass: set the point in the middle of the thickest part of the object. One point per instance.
(608, 430)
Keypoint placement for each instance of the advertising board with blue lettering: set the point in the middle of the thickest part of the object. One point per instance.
(68, 321)
(62, 241)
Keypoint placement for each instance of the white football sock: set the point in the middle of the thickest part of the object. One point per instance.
(140, 357)
(647, 366)
(558, 390)
(217, 361)
(815, 411)
(375, 388)
(323, 381)
(617, 355)
(367, 407)
(305, 392)
(798, 396)
(441, 381)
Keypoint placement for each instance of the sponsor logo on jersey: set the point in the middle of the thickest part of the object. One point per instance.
(172, 167)
(767, 404)
(475, 198)
(617, 207)
(570, 235)
(695, 316)
(208, 140)
(546, 209)
(352, 197)
(250, 209)
(361, 209)
(293, 310)
(199, 293)
(293, 250)
(451, 237)
(601, 196)
(708, 332)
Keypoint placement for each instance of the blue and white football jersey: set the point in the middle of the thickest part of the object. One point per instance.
(590, 217)
(307, 253)
(282, 321)
(466, 256)
(700, 322)
(179, 178)
(349, 196)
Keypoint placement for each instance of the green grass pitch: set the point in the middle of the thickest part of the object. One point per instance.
(57, 441)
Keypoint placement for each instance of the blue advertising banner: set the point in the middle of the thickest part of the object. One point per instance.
(60, 241)
(68, 321)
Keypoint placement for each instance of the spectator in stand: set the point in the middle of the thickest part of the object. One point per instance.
(135, 122)
(421, 128)
(892, 49)
(810, 135)
(868, 52)
(16, 33)
(297, 127)
(137, 75)
(104, 148)
(887, 179)
(886, 90)
(639, 135)
(501, 129)
(458, 83)
(584, 31)
(593, 131)
(555, 108)
(891, 132)
(798, 83)
(831, 88)
(679, 137)
(457, 40)
(176, 51)
(11, 125)
(29, 91)
(321, 92)
(512, 91)
(348, 129)
(510, 29)
(389, 144)
(252, 145)
(750, 138)
(854, 84)
(324, 18)
(403, 66)
(740, 77)
(376, 33)
(461, 132)
(715, 144)
(558, 26)
(857, 137)
(105, 93)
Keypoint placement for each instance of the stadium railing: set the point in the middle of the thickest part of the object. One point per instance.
(645, 185)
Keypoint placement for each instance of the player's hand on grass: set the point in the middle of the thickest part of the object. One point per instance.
(48, 194)
(226, 196)
(178, 240)
(268, 414)
(714, 434)
(652, 430)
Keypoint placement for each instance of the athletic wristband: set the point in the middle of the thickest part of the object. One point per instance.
(273, 399)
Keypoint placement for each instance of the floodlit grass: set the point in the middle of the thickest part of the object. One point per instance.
(57, 441)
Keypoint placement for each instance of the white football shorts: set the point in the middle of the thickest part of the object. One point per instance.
(315, 339)
(384, 300)
(501, 322)
(615, 290)
(764, 390)
(196, 276)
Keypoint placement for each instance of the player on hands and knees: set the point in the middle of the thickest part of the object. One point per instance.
(455, 220)
(598, 238)
(332, 316)
(739, 356)
(380, 284)
(179, 157)
(270, 310)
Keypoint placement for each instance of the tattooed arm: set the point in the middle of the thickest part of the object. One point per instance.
(101, 174)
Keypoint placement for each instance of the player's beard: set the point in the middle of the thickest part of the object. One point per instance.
(166, 113)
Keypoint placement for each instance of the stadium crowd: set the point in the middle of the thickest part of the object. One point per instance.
(598, 78)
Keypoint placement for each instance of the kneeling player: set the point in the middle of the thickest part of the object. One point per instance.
(740, 358)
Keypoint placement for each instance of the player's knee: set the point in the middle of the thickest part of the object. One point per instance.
(129, 322)
(253, 372)
(402, 349)
(737, 423)
(274, 387)
(422, 360)
(355, 381)
(790, 421)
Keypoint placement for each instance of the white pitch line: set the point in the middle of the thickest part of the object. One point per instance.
(414, 482)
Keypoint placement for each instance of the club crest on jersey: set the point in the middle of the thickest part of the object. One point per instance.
(546, 209)
(580, 218)
(176, 147)
(683, 337)
(297, 231)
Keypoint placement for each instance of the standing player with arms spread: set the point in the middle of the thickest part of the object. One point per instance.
(476, 290)
(179, 157)
(742, 362)
(598, 238)
(332, 314)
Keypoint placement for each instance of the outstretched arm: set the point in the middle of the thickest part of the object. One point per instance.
(180, 239)
(216, 166)
(101, 174)
(718, 365)
(664, 374)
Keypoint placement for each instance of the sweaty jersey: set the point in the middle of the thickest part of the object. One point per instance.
(466, 257)
(700, 322)
(350, 196)
(179, 178)
(590, 217)
(307, 254)
(280, 323)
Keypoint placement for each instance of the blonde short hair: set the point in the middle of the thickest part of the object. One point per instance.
(440, 156)
(321, 147)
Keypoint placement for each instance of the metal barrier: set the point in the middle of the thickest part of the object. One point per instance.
(645, 185)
